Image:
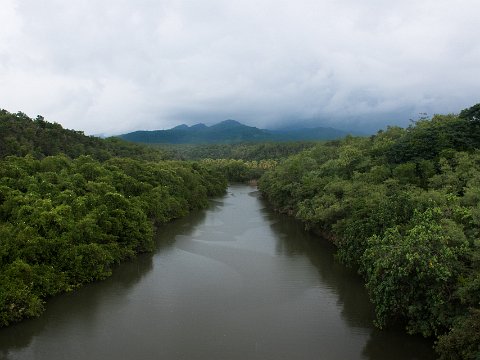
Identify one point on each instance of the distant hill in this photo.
(21, 135)
(228, 132)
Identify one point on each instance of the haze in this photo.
(115, 66)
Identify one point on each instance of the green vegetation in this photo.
(240, 170)
(229, 132)
(244, 151)
(20, 136)
(67, 222)
(403, 206)
(238, 162)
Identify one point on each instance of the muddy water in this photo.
(235, 281)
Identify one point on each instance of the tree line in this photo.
(403, 207)
(243, 151)
(21, 136)
(67, 222)
(74, 206)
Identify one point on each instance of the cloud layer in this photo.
(115, 66)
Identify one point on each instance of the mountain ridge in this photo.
(228, 132)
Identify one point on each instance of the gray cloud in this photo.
(116, 66)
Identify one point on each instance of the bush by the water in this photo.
(403, 206)
(67, 222)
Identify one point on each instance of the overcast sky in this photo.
(112, 66)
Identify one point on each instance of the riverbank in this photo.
(233, 281)
(404, 215)
(65, 223)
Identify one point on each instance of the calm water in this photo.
(233, 282)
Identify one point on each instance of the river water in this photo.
(235, 281)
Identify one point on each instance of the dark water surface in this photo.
(233, 282)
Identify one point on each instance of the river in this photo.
(235, 281)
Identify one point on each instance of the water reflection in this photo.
(345, 283)
(357, 310)
(396, 345)
(235, 281)
(82, 306)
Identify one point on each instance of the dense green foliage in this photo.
(238, 162)
(67, 222)
(64, 222)
(229, 132)
(240, 170)
(20, 136)
(463, 342)
(403, 206)
(244, 151)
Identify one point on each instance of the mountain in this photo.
(229, 131)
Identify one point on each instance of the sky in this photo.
(114, 66)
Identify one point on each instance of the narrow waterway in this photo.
(235, 281)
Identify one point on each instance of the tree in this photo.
(409, 275)
(472, 113)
